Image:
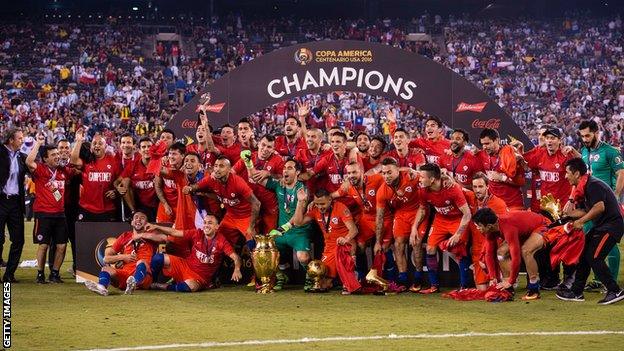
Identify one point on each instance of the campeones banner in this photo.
(337, 65)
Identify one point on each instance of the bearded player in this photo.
(242, 206)
(128, 260)
(449, 230)
(289, 237)
(363, 190)
(461, 164)
(399, 196)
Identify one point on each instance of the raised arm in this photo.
(32, 155)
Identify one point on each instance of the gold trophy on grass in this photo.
(317, 271)
(265, 259)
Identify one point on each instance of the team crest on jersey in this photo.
(371, 192)
(465, 168)
(233, 195)
(108, 166)
(447, 202)
(335, 220)
(557, 165)
(408, 189)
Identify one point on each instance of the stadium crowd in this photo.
(403, 181)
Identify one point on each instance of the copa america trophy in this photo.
(317, 271)
(552, 208)
(265, 259)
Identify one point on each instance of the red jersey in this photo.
(446, 201)
(143, 249)
(98, 177)
(308, 161)
(50, 187)
(233, 194)
(434, 149)
(170, 188)
(333, 169)
(273, 165)
(463, 168)
(231, 152)
(127, 162)
(551, 174)
(143, 183)
(366, 196)
(401, 199)
(284, 148)
(332, 223)
(206, 158)
(206, 254)
(412, 160)
(368, 162)
(514, 227)
(505, 162)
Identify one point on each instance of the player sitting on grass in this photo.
(128, 260)
(195, 272)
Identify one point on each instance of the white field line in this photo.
(214, 344)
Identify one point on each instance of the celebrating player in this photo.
(449, 230)
(197, 270)
(128, 260)
(505, 175)
(49, 177)
(335, 221)
(461, 164)
(399, 196)
(242, 206)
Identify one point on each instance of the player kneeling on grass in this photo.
(522, 232)
(336, 223)
(195, 272)
(128, 260)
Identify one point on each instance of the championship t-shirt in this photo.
(98, 177)
(50, 188)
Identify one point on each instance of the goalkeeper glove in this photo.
(281, 230)
(245, 155)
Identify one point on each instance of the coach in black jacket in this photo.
(12, 172)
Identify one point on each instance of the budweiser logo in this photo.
(492, 123)
(470, 107)
(187, 123)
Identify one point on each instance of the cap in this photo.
(552, 131)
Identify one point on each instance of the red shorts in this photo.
(163, 217)
(122, 274)
(180, 271)
(366, 230)
(329, 259)
(232, 228)
(402, 226)
(442, 229)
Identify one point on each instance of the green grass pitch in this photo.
(69, 317)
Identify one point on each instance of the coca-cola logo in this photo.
(463, 106)
(492, 123)
(188, 123)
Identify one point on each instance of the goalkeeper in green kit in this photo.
(287, 236)
(605, 163)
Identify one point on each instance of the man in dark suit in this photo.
(12, 172)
